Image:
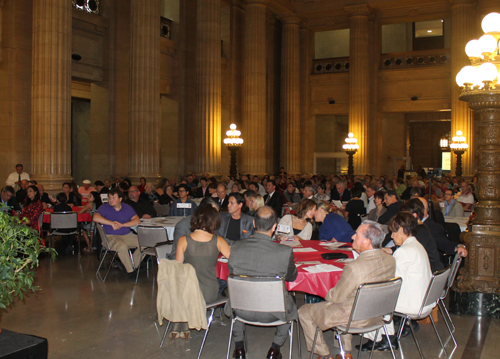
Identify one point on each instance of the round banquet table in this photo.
(84, 217)
(311, 283)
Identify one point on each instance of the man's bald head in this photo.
(426, 206)
(265, 220)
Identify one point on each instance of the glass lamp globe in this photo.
(491, 22)
(487, 72)
(467, 75)
(472, 49)
(487, 43)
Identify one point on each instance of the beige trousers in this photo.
(121, 244)
(306, 317)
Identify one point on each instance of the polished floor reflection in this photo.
(82, 317)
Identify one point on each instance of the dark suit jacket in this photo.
(346, 196)
(224, 203)
(276, 202)
(260, 256)
(392, 210)
(425, 238)
(246, 224)
(198, 193)
(437, 231)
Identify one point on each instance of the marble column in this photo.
(359, 80)
(207, 133)
(51, 93)
(462, 30)
(144, 96)
(254, 89)
(290, 94)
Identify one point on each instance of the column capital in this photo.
(290, 19)
(359, 10)
(462, 2)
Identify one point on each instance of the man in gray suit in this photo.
(234, 224)
(183, 227)
(260, 256)
(372, 265)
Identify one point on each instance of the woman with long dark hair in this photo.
(33, 207)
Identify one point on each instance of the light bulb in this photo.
(232, 126)
(487, 43)
(491, 22)
(469, 74)
(487, 72)
(472, 49)
(459, 133)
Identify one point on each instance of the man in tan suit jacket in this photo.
(372, 265)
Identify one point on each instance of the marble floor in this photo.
(82, 317)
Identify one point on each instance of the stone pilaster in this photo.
(144, 115)
(462, 31)
(359, 80)
(254, 88)
(51, 93)
(207, 133)
(290, 94)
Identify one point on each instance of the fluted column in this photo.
(254, 93)
(290, 94)
(359, 82)
(462, 30)
(144, 114)
(51, 93)
(207, 139)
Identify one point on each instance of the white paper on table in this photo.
(323, 268)
(291, 243)
(304, 250)
(337, 204)
(332, 244)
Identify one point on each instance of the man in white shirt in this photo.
(466, 198)
(370, 191)
(15, 178)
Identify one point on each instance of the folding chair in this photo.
(455, 266)
(107, 248)
(63, 221)
(259, 294)
(434, 292)
(372, 301)
(149, 237)
(218, 303)
(162, 249)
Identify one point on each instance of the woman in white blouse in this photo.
(299, 224)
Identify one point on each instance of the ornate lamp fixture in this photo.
(233, 142)
(478, 284)
(459, 146)
(444, 144)
(350, 147)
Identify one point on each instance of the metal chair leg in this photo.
(314, 342)
(291, 340)
(448, 327)
(137, 274)
(373, 346)
(415, 339)
(437, 334)
(298, 340)
(400, 332)
(342, 352)
(360, 343)
(100, 264)
(230, 338)
(165, 334)
(389, 340)
(110, 265)
(209, 322)
(444, 311)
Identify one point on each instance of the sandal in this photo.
(173, 335)
(185, 335)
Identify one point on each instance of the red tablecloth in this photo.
(312, 283)
(84, 217)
